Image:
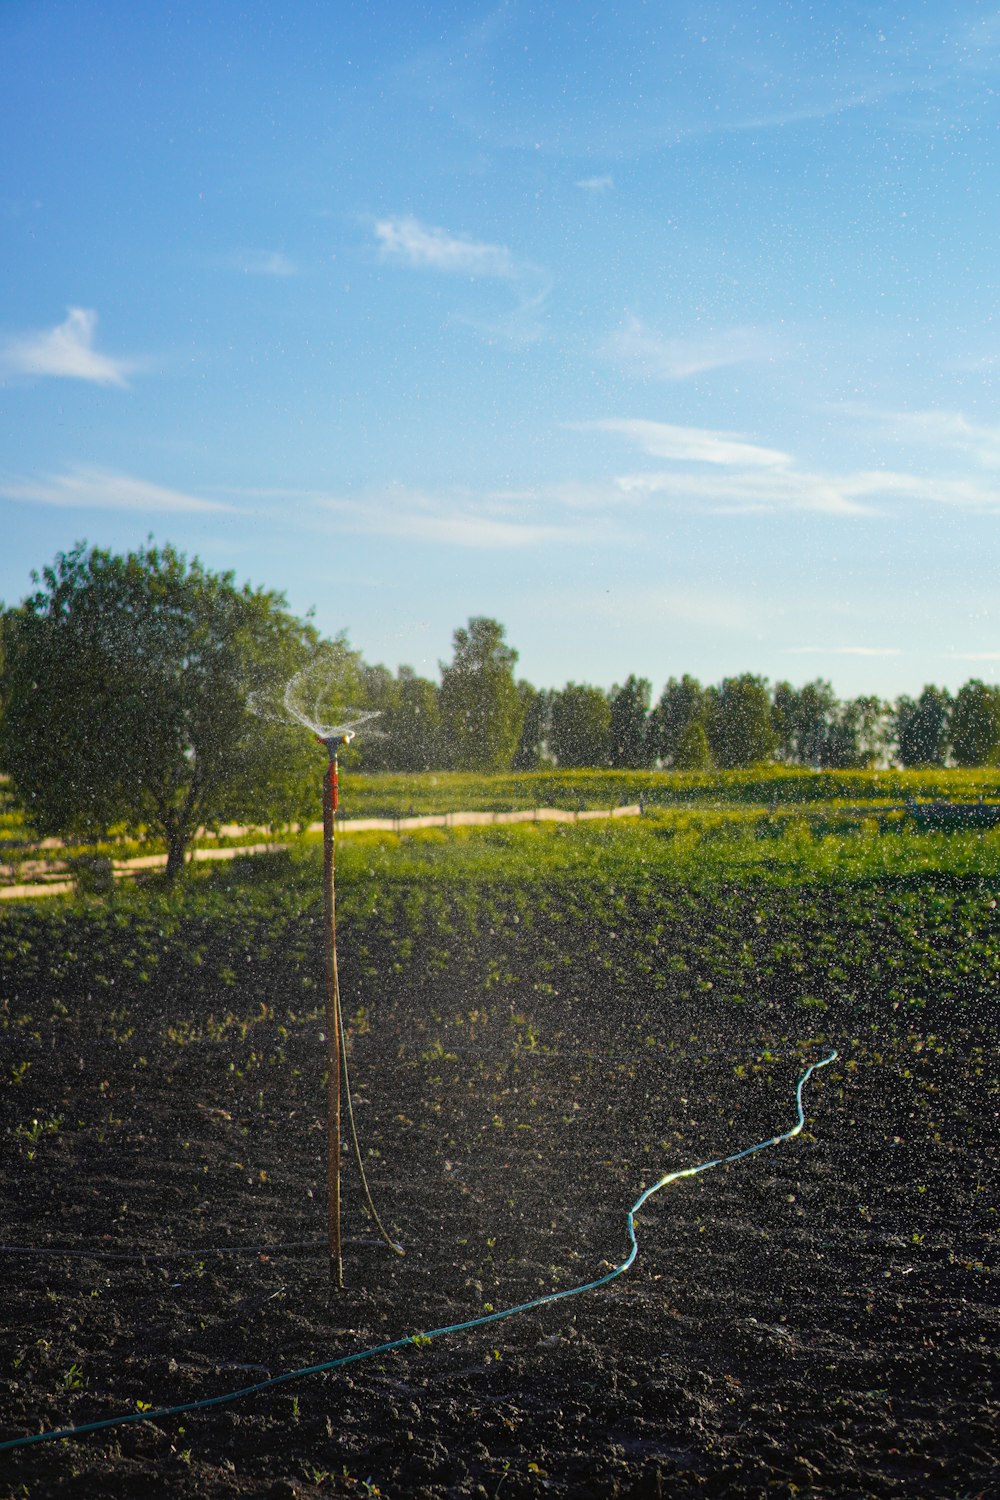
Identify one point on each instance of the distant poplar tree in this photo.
(975, 724)
(630, 748)
(739, 725)
(681, 705)
(533, 750)
(802, 719)
(581, 726)
(921, 728)
(481, 709)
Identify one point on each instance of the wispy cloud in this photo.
(698, 444)
(408, 242)
(67, 351)
(596, 184)
(264, 263)
(641, 351)
(461, 518)
(950, 431)
(82, 486)
(743, 476)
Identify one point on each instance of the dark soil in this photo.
(815, 1321)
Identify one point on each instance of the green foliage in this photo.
(125, 698)
(922, 727)
(975, 724)
(389, 795)
(581, 726)
(682, 705)
(677, 905)
(533, 751)
(481, 709)
(692, 751)
(629, 711)
(740, 730)
(802, 719)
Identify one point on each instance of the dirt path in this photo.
(123, 868)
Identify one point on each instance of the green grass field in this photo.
(774, 822)
(391, 795)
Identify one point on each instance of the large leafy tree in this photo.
(975, 724)
(126, 699)
(481, 709)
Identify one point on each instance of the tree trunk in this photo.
(176, 845)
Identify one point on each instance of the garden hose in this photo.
(420, 1339)
(393, 1245)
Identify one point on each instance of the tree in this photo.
(740, 731)
(630, 749)
(693, 752)
(581, 726)
(857, 737)
(481, 709)
(802, 720)
(682, 704)
(921, 728)
(125, 699)
(533, 750)
(413, 740)
(975, 724)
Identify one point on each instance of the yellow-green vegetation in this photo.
(690, 845)
(774, 822)
(386, 794)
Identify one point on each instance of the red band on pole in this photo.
(334, 785)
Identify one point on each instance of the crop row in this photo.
(251, 938)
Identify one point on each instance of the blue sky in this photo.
(664, 333)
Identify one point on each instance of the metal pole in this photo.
(332, 1025)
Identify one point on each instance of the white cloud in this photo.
(649, 355)
(489, 519)
(103, 489)
(744, 476)
(66, 350)
(750, 490)
(697, 444)
(264, 263)
(596, 184)
(407, 241)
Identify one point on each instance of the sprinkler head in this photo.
(333, 742)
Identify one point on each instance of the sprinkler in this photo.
(331, 788)
(305, 700)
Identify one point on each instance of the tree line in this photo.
(480, 717)
(143, 693)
